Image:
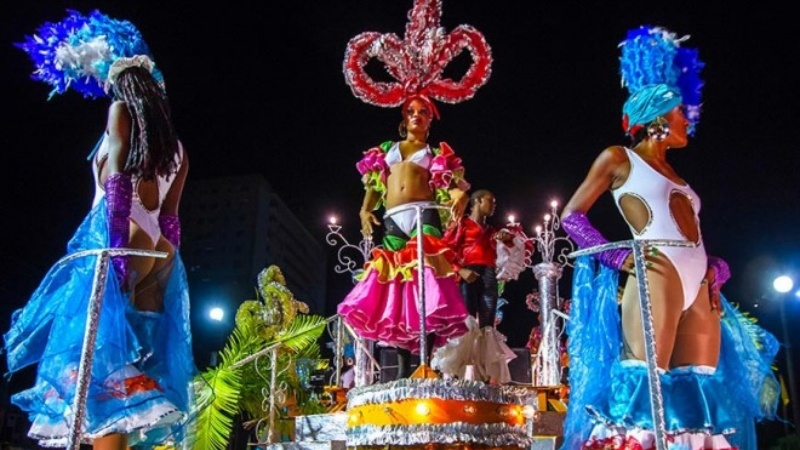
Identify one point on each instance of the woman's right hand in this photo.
(467, 275)
(367, 221)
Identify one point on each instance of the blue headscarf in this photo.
(659, 76)
(648, 103)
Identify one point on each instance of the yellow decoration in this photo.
(435, 411)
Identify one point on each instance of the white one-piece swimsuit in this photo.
(654, 190)
(145, 218)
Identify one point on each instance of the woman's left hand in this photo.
(713, 290)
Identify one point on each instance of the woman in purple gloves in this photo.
(714, 372)
(142, 367)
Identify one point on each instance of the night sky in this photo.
(260, 89)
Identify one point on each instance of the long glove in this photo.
(721, 270)
(578, 227)
(170, 226)
(119, 194)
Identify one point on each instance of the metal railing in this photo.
(90, 333)
(654, 381)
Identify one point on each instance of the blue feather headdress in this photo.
(659, 75)
(84, 52)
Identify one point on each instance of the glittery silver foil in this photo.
(491, 434)
(547, 372)
(424, 388)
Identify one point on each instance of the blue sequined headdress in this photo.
(659, 75)
(84, 53)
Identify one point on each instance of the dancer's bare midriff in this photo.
(407, 182)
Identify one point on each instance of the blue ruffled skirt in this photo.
(609, 398)
(142, 366)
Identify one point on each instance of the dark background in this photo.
(260, 89)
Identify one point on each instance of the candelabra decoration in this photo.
(346, 262)
(546, 348)
(347, 256)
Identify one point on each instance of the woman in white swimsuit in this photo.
(142, 366)
(657, 204)
(683, 282)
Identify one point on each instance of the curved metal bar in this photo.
(365, 349)
(90, 333)
(111, 252)
(629, 243)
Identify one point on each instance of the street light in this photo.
(216, 314)
(783, 284)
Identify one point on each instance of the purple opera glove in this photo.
(722, 272)
(170, 226)
(119, 193)
(578, 227)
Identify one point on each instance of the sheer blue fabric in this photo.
(603, 389)
(594, 344)
(49, 329)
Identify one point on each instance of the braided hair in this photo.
(154, 142)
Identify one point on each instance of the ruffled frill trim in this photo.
(422, 388)
(374, 170)
(391, 265)
(446, 170)
(513, 257)
(697, 408)
(615, 438)
(385, 310)
(146, 411)
(483, 349)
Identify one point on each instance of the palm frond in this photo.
(219, 394)
(302, 332)
(234, 388)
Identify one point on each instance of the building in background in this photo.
(233, 228)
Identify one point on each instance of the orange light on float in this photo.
(528, 411)
(354, 418)
(422, 409)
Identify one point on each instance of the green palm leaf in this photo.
(304, 330)
(219, 396)
(233, 388)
